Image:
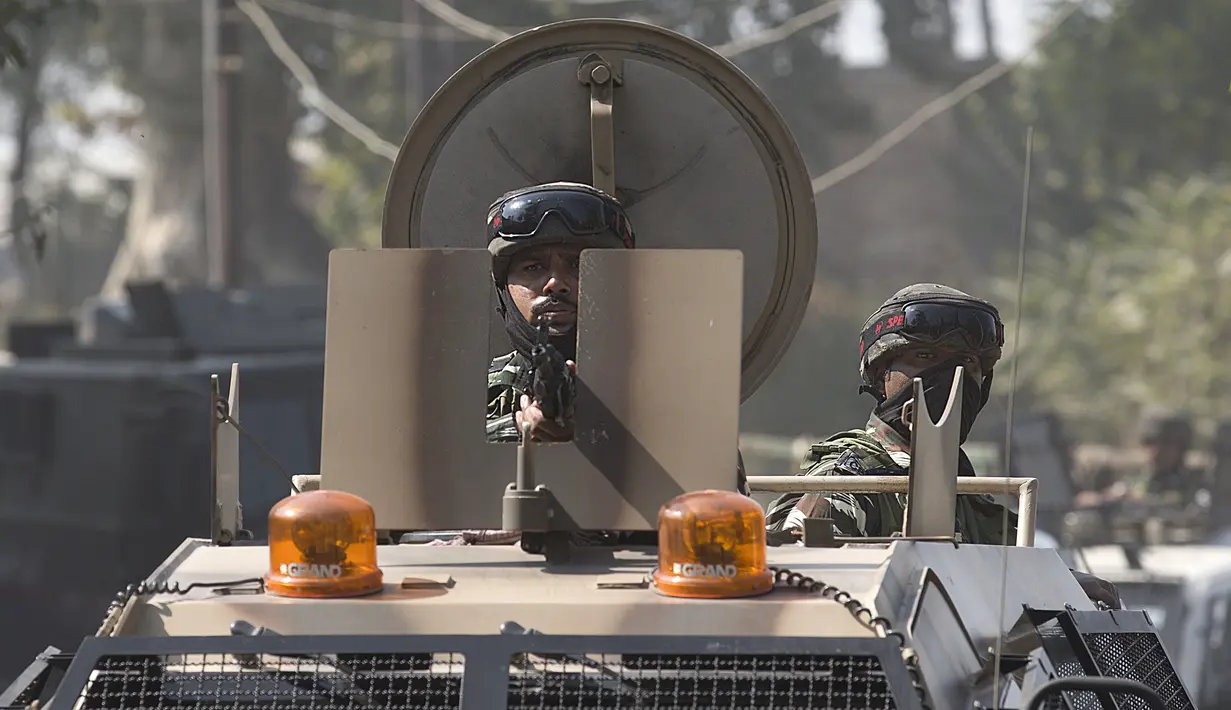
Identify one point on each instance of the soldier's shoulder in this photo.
(505, 370)
(851, 452)
(501, 362)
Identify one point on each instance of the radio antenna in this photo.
(1008, 433)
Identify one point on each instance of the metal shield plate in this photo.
(702, 160)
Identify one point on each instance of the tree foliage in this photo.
(18, 18)
(1126, 302)
(1123, 91)
(1136, 314)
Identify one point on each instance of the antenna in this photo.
(1008, 433)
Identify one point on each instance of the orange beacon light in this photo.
(711, 545)
(322, 545)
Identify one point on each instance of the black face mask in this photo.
(937, 383)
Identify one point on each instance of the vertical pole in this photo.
(222, 66)
(989, 38)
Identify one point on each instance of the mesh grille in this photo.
(387, 681)
(1077, 699)
(698, 682)
(1139, 657)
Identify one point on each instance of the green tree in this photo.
(1136, 313)
(1124, 302)
(154, 51)
(21, 18)
(1124, 91)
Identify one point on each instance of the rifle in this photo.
(552, 384)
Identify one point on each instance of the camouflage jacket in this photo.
(508, 379)
(878, 450)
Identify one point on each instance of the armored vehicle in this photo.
(671, 336)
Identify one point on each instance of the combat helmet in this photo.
(1160, 423)
(584, 215)
(930, 313)
(579, 214)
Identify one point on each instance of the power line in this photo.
(796, 23)
(342, 20)
(476, 28)
(931, 110)
(314, 97)
(482, 30)
(312, 94)
(464, 23)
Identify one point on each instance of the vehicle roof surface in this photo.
(474, 589)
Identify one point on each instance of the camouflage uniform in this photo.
(508, 379)
(878, 450)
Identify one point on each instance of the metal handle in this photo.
(1026, 490)
(1098, 685)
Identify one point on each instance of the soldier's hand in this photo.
(542, 429)
(1099, 590)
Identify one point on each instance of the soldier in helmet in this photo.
(924, 331)
(1166, 437)
(535, 236)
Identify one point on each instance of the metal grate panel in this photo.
(1077, 699)
(699, 682)
(240, 681)
(500, 670)
(1140, 657)
(1113, 644)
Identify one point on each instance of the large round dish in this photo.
(703, 160)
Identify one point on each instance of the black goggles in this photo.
(583, 213)
(931, 322)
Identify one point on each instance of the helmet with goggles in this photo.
(930, 314)
(583, 215)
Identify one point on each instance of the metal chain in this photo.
(141, 589)
(878, 624)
